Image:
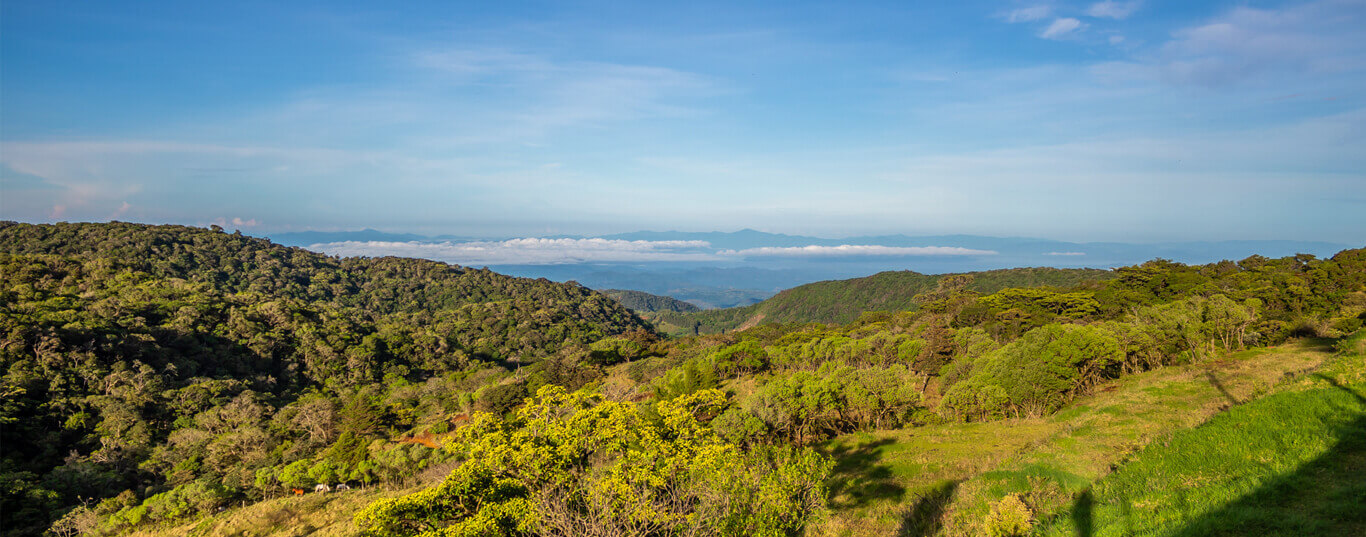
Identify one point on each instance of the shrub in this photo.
(1009, 517)
(501, 398)
(740, 426)
(1037, 373)
(572, 464)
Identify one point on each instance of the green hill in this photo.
(956, 419)
(167, 368)
(642, 302)
(842, 301)
(163, 380)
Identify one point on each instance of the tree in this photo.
(570, 463)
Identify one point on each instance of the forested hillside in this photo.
(642, 302)
(842, 301)
(155, 375)
(165, 370)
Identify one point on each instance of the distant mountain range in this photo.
(309, 238)
(726, 269)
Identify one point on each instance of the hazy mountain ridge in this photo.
(730, 277)
(1101, 252)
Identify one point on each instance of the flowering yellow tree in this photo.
(574, 464)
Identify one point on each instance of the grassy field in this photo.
(943, 479)
(1292, 463)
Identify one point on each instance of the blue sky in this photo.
(1080, 121)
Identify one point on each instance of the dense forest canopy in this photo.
(842, 301)
(190, 366)
(152, 374)
(642, 302)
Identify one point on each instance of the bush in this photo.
(573, 464)
(1038, 373)
(1009, 517)
(501, 398)
(198, 497)
(740, 426)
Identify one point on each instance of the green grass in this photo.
(1291, 463)
(942, 479)
(314, 515)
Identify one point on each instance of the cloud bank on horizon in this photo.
(1081, 121)
(565, 251)
(853, 250)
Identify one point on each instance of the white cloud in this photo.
(1066, 253)
(527, 251)
(1164, 186)
(1248, 45)
(543, 95)
(1027, 14)
(1113, 10)
(1062, 28)
(854, 250)
(235, 221)
(1116, 39)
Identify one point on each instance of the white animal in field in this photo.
(341, 487)
(322, 487)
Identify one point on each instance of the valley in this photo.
(168, 380)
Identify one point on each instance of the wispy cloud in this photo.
(14, 180)
(1111, 9)
(1066, 253)
(1180, 182)
(235, 221)
(1027, 14)
(1062, 28)
(528, 251)
(541, 94)
(1249, 44)
(844, 250)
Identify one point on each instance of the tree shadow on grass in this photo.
(926, 516)
(1326, 496)
(1219, 385)
(858, 477)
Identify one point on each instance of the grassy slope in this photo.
(842, 301)
(942, 478)
(316, 515)
(1293, 463)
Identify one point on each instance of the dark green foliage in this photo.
(501, 398)
(192, 367)
(842, 301)
(642, 302)
(1018, 351)
(1038, 373)
(165, 371)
